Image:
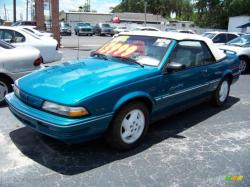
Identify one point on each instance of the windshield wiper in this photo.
(128, 60)
(96, 54)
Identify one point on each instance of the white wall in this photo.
(237, 21)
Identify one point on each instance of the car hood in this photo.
(236, 49)
(72, 82)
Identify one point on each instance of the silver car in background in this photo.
(241, 46)
(16, 62)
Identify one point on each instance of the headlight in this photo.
(64, 110)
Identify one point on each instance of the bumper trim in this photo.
(15, 110)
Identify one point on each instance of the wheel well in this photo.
(230, 77)
(6, 77)
(144, 100)
(246, 57)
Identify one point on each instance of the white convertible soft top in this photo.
(218, 54)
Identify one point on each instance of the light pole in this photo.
(14, 10)
(27, 10)
(145, 13)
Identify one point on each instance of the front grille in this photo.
(85, 30)
(29, 99)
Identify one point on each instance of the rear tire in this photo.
(5, 88)
(221, 94)
(129, 126)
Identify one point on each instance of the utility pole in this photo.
(14, 10)
(145, 13)
(5, 13)
(27, 10)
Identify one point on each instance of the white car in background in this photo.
(219, 38)
(16, 62)
(119, 29)
(141, 29)
(146, 29)
(241, 46)
(48, 47)
(181, 31)
(33, 30)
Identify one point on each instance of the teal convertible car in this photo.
(134, 79)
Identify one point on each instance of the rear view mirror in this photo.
(174, 66)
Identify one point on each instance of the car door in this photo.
(180, 87)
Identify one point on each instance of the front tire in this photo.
(5, 88)
(129, 126)
(243, 65)
(221, 93)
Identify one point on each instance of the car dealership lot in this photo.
(200, 146)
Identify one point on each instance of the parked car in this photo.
(146, 29)
(24, 23)
(119, 29)
(65, 29)
(34, 30)
(15, 63)
(19, 37)
(181, 31)
(170, 29)
(241, 46)
(134, 79)
(103, 29)
(84, 29)
(220, 37)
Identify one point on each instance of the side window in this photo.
(8, 36)
(19, 38)
(191, 54)
(231, 37)
(220, 38)
(1, 34)
(206, 57)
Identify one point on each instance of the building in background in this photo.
(126, 17)
(239, 24)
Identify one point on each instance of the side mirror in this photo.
(174, 66)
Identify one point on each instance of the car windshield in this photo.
(106, 25)
(145, 50)
(84, 24)
(16, 23)
(242, 41)
(209, 35)
(31, 34)
(6, 45)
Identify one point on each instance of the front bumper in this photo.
(64, 129)
(65, 32)
(107, 32)
(85, 32)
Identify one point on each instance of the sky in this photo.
(102, 6)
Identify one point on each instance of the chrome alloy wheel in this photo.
(132, 126)
(3, 90)
(223, 93)
(243, 65)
